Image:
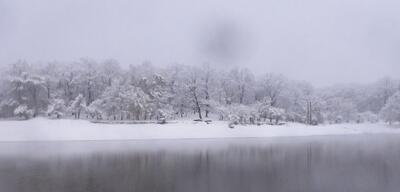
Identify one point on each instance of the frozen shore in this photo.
(41, 129)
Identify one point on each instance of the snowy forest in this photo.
(103, 90)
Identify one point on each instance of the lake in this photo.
(364, 163)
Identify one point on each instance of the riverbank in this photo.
(42, 129)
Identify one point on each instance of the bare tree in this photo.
(207, 87)
(272, 86)
(193, 87)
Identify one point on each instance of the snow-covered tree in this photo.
(50, 74)
(193, 87)
(391, 111)
(386, 88)
(243, 80)
(338, 110)
(138, 104)
(110, 103)
(301, 103)
(104, 90)
(207, 80)
(271, 86)
(368, 117)
(121, 102)
(227, 93)
(23, 111)
(68, 83)
(56, 108)
(267, 111)
(26, 89)
(110, 72)
(180, 101)
(159, 96)
(77, 106)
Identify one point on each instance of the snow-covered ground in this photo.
(41, 129)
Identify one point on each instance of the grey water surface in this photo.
(302, 164)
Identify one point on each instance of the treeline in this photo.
(105, 91)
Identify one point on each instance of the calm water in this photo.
(336, 163)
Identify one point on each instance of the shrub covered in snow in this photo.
(56, 108)
(268, 112)
(23, 111)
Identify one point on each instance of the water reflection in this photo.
(339, 163)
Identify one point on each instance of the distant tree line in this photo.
(104, 91)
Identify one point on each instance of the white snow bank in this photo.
(41, 129)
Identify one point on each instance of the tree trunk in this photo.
(198, 106)
(48, 92)
(34, 96)
(241, 97)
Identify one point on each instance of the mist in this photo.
(323, 42)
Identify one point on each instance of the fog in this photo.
(324, 42)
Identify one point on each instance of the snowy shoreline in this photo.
(41, 129)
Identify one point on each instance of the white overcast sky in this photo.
(321, 41)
